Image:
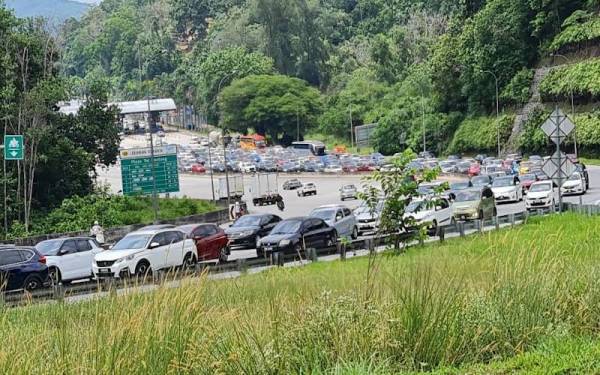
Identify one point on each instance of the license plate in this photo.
(269, 248)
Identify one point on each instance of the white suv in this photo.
(307, 189)
(139, 253)
(69, 259)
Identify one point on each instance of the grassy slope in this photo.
(517, 300)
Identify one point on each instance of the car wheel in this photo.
(434, 227)
(354, 233)
(453, 222)
(332, 240)
(189, 262)
(54, 275)
(32, 283)
(143, 269)
(223, 255)
(495, 212)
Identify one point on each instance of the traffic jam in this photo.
(477, 186)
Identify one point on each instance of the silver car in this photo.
(367, 219)
(339, 217)
(348, 192)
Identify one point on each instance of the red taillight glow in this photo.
(42, 259)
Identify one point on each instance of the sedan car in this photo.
(211, 242)
(540, 196)
(368, 219)
(474, 204)
(292, 184)
(246, 232)
(339, 217)
(69, 259)
(507, 189)
(574, 185)
(431, 212)
(143, 252)
(481, 181)
(293, 236)
(22, 268)
(348, 192)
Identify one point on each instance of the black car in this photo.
(295, 235)
(292, 184)
(246, 231)
(22, 268)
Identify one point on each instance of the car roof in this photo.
(155, 231)
(327, 206)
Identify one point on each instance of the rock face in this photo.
(522, 117)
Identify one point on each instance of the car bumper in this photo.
(269, 249)
(244, 243)
(506, 197)
(116, 271)
(532, 204)
(367, 227)
(572, 191)
(348, 196)
(466, 215)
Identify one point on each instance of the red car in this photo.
(474, 170)
(527, 180)
(198, 168)
(364, 167)
(211, 241)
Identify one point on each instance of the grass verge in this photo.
(524, 299)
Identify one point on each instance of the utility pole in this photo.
(351, 127)
(225, 142)
(212, 182)
(423, 123)
(149, 132)
(497, 109)
(572, 104)
(297, 125)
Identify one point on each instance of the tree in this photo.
(221, 68)
(277, 106)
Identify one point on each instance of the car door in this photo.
(214, 241)
(12, 274)
(69, 259)
(349, 220)
(202, 247)
(443, 212)
(84, 259)
(175, 248)
(157, 256)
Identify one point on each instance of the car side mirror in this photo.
(62, 252)
(110, 247)
(154, 245)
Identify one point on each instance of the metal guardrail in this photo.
(60, 292)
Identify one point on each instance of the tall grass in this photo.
(443, 307)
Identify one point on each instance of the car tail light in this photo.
(42, 259)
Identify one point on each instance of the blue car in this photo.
(22, 268)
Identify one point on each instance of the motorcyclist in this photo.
(279, 202)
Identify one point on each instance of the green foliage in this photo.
(479, 134)
(517, 91)
(581, 79)
(588, 133)
(579, 28)
(532, 139)
(218, 69)
(79, 213)
(277, 106)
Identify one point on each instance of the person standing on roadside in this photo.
(97, 232)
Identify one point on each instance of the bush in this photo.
(580, 27)
(518, 89)
(532, 139)
(583, 79)
(78, 213)
(479, 134)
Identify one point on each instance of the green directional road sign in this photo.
(136, 170)
(13, 147)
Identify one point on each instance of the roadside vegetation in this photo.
(523, 299)
(79, 213)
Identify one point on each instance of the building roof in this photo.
(126, 108)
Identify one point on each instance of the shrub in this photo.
(479, 134)
(532, 139)
(518, 89)
(580, 27)
(583, 79)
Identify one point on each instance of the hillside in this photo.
(56, 11)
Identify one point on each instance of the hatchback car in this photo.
(69, 259)
(540, 196)
(22, 268)
(308, 188)
(339, 217)
(474, 204)
(507, 189)
(575, 184)
(246, 231)
(211, 241)
(295, 235)
(348, 192)
(292, 184)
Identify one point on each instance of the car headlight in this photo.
(284, 243)
(245, 233)
(127, 258)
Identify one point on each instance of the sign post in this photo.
(558, 167)
(143, 174)
(13, 147)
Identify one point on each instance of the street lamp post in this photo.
(497, 109)
(351, 128)
(149, 132)
(226, 140)
(572, 103)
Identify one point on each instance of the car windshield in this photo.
(575, 177)
(415, 206)
(480, 181)
(503, 182)
(48, 247)
(365, 209)
(536, 188)
(247, 221)
(459, 186)
(287, 227)
(132, 241)
(349, 187)
(324, 214)
(467, 196)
